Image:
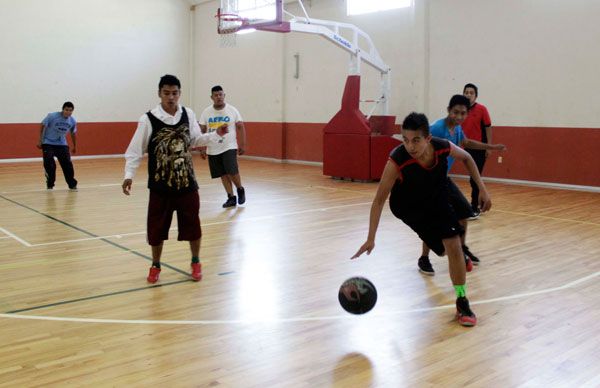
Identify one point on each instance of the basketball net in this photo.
(227, 40)
(229, 23)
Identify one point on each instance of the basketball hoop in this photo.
(228, 25)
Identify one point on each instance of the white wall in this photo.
(258, 74)
(536, 61)
(251, 73)
(104, 55)
(316, 95)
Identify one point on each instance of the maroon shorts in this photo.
(160, 213)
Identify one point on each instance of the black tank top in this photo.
(418, 185)
(170, 167)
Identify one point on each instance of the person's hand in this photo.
(241, 151)
(126, 186)
(222, 130)
(485, 202)
(39, 145)
(74, 150)
(368, 246)
(499, 147)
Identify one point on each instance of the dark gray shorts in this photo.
(462, 207)
(223, 164)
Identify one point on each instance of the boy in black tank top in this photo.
(415, 179)
(167, 133)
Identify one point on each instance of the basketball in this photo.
(357, 295)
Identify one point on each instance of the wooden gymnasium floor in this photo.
(76, 308)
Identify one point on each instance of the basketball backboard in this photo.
(236, 15)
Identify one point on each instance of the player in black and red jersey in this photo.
(415, 179)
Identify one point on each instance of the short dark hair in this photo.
(416, 122)
(472, 86)
(216, 88)
(169, 79)
(459, 99)
(68, 104)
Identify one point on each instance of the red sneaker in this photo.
(196, 272)
(468, 264)
(464, 315)
(153, 275)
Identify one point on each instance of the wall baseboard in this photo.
(25, 160)
(289, 161)
(548, 185)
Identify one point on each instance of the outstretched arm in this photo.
(485, 203)
(477, 145)
(389, 177)
(200, 135)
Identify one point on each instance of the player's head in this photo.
(217, 95)
(415, 134)
(67, 109)
(471, 92)
(169, 90)
(457, 109)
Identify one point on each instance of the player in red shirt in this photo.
(477, 126)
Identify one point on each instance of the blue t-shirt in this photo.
(439, 129)
(56, 127)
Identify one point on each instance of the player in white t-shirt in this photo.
(222, 156)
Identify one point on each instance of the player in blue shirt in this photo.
(53, 142)
(449, 128)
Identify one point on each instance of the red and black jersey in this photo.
(419, 186)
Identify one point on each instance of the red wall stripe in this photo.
(557, 155)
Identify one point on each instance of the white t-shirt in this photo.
(213, 119)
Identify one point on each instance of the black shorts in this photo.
(432, 223)
(459, 203)
(223, 164)
(160, 213)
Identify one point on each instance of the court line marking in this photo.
(78, 187)
(136, 253)
(547, 217)
(97, 296)
(252, 219)
(298, 319)
(14, 236)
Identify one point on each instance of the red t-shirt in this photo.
(475, 123)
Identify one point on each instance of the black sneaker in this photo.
(49, 187)
(465, 316)
(476, 213)
(73, 188)
(470, 255)
(241, 195)
(231, 201)
(425, 266)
